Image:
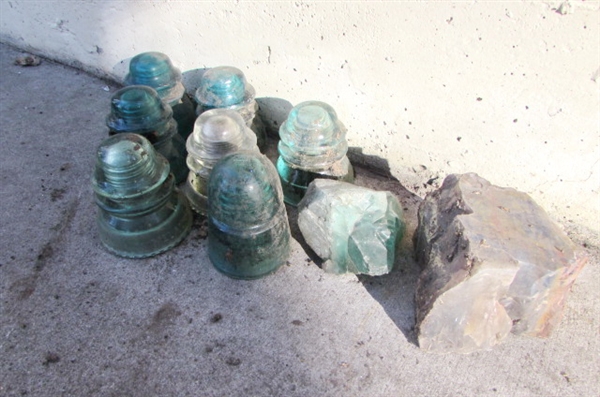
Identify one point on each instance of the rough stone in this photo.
(494, 263)
(352, 228)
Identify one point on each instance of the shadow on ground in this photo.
(395, 291)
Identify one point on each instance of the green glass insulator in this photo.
(138, 109)
(155, 69)
(226, 87)
(141, 213)
(217, 132)
(313, 145)
(249, 233)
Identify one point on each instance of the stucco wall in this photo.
(509, 90)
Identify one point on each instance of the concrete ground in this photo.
(78, 321)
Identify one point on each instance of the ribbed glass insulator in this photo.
(312, 137)
(312, 145)
(248, 228)
(226, 87)
(139, 109)
(217, 132)
(155, 69)
(140, 212)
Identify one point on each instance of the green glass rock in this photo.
(217, 133)
(226, 87)
(352, 228)
(141, 214)
(155, 69)
(313, 145)
(138, 109)
(249, 233)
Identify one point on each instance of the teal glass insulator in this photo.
(156, 70)
(217, 133)
(248, 229)
(138, 109)
(141, 213)
(226, 87)
(312, 145)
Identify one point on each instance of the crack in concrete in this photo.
(25, 286)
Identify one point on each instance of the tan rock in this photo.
(493, 263)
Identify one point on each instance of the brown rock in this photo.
(493, 262)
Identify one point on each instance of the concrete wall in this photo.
(505, 89)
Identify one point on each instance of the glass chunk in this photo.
(155, 69)
(226, 87)
(138, 109)
(313, 145)
(217, 132)
(352, 228)
(249, 233)
(141, 214)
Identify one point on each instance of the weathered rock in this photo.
(352, 228)
(493, 263)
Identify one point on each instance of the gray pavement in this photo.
(78, 321)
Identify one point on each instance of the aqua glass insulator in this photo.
(156, 70)
(139, 109)
(248, 229)
(312, 145)
(217, 133)
(141, 213)
(226, 87)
